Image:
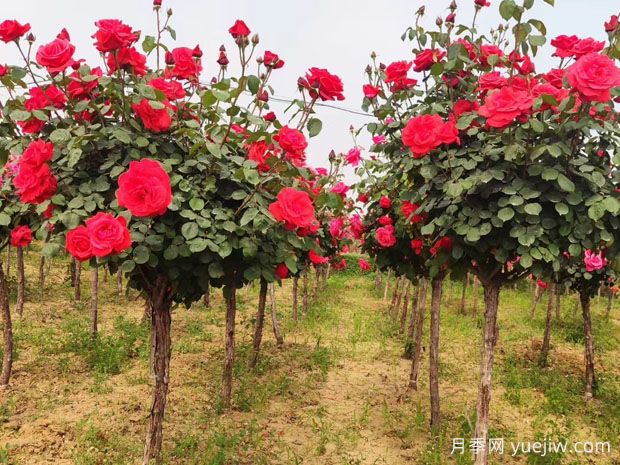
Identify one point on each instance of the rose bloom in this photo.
(555, 77)
(173, 90)
(291, 140)
(260, 152)
(385, 202)
(540, 283)
(128, 59)
(41, 98)
(56, 56)
(11, 30)
(594, 261)
(270, 117)
(21, 236)
(37, 153)
(396, 76)
(427, 58)
(35, 185)
(371, 92)
(272, 60)
(482, 3)
(408, 210)
(416, 246)
(239, 29)
(549, 89)
(108, 235)
(31, 126)
(385, 220)
(186, 66)
(501, 107)
(427, 132)
(464, 106)
(78, 245)
(336, 228)
(113, 34)
(593, 76)
(445, 243)
(385, 236)
(364, 265)
(340, 188)
(281, 271)
(378, 139)
(320, 83)
(612, 24)
(354, 156)
(491, 81)
(586, 46)
(144, 189)
(316, 258)
(156, 120)
(294, 208)
(79, 89)
(486, 51)
(564, 45)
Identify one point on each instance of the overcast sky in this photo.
(334, 34)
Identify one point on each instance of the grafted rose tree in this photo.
(151, 171)
(512, 164)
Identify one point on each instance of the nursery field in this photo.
(335, 393)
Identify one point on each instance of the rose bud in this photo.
(439, 22)
(255, 39)
(259, 60)
(332, 155)
(382, 66)
(31, 37)
(169, 12)
(420, 11)
(451, 18)
(214, 80)
(3, 70)
(197, 53)
(271, 117)
(223, 59)
(263, 97)
(156, 2)
(452, 5)
(368, 69)
(169, 59)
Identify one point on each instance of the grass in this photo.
(335, 394)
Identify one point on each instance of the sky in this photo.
(335, 34)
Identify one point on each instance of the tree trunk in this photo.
(419, 331)
(589, 344)
(538, 292)
(403, 314)
(304, 293)
(230, 295)
(544, 351)
(610, 302)
(558, 302)
(490, 336)
(475, 292)
(434, 353)
(463, 296)
(8, 260)
(295, 298)
(377, 279)
(7, 360)
(77, 280)
(274, 317)
(394, 304)
(260, 320)
(94, 298)
(159, 301)
(21, 282)
(119, 283)
(414, 310)
(315, 284)
(42, 275)
(206, 298)
(387, 285)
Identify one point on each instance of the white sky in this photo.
(334, 34)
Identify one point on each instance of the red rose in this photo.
(156, 120)
(186, 66)
(364, 265)
(612, 25)
(37, 153)
(113, 34)
(371, 91)
(260, 152)
(35, 184)
(396, 76)
(78, 244)
(292, 141)
(21, 236)
(56, 56)
(272, 60)
(128, 59)
(502, 106)
(322, 84)
(385, 236)
(239, 29)
(481, 3)
(11, 30)
(3, 70)
(41, 98)
(282, 271)
(340, 188)
(427, 132)
(464, 106)
(79, 89)
(555, 77)
(173, 90)
(408, 210)
(486, 51)
(593, 76)
(548, 89)
(108, 235)
(385, 220)
(416, 246)
(316, 258)
(586, 46)
(427, 58)
(144, 189)
(445, 243)
(564, 45)
(294, 207)
(31, 126)
(270, 117)
(385, 202)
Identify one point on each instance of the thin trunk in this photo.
(329, 267)
(119, 283)
(475, 291)
(304, 293)
(315, 284)
(414, 311)
(42, 275)
(377, 280)
(558, 302)
(538, 292)
(7, 359)
(419, 331)
(295, 298)
(105, 273)
(8, 260)
(610, 302)
(403, 314)
(94, 297)
(544, 351)
(395, 296)
(589, 344)
(77, 281)
(21, 282)
(274, 317)
(387, 285)
(206, 298)
(463, 295)
(450, 290)
(490, 336)
(159, 300)
(260, 320)
(229, 360)
(434, 353)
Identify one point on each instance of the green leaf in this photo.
(189, 230)
(149, 44)
(507, 8)
(253, 84)
(141, 254)
(196, 204)
(215, 270)
(550, 174)
(5, 219)
(248, 216)
(171, 252)
(565, 184)
(561, 208)
(506, 214)
(121, 135)
(533, 208)
(20, 115)
(128, 266)
(596, 211)
(314, 127)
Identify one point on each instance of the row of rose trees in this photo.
(490, 165)
(138, 165)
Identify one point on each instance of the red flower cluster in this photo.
(445, 244)
(294, 208)
(573, 46)
(396, 76)
(154, 119)
(503, 106)
(416, 246)
(371, 91)
(427, 132)
(261, 152)
(385, 202)
(103, 235)
(144, 189)
(21, 236)
(282, 271)
(320, 83)
(185, 64)
(364, 265)
(35, 182)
